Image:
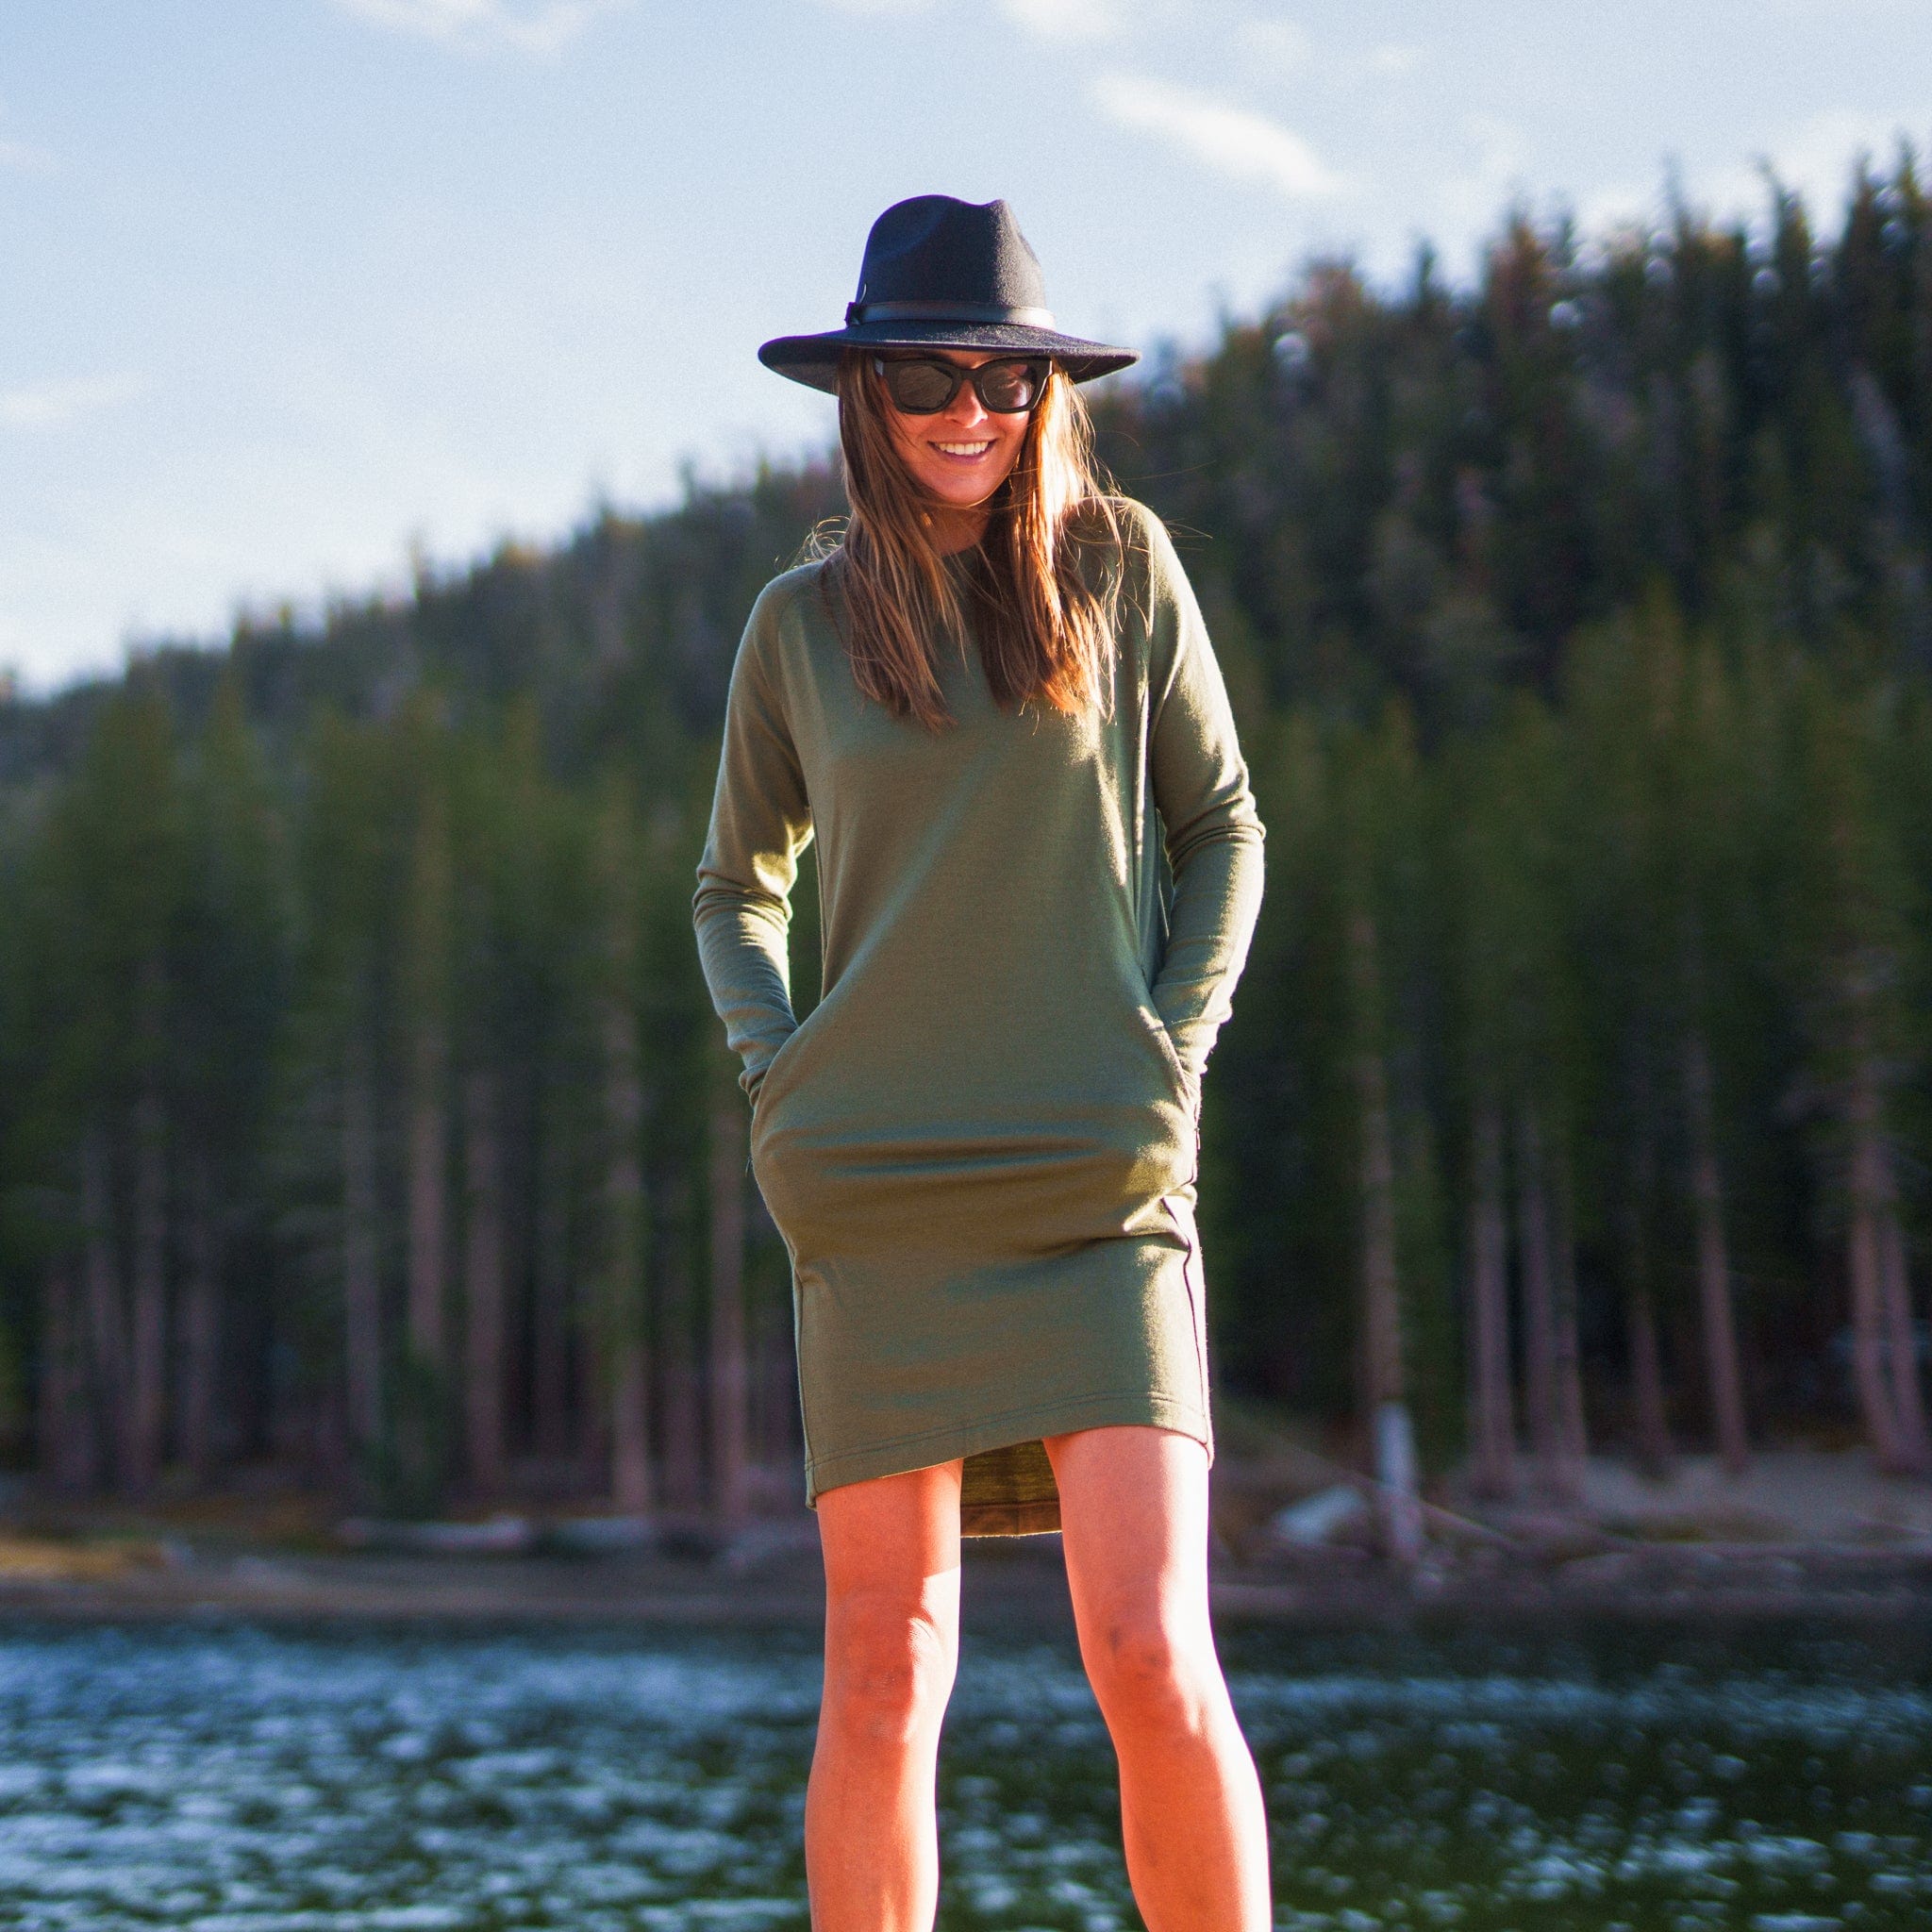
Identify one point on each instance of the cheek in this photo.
(906, 440)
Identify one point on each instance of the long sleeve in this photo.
(1213, 832)
(760, 823)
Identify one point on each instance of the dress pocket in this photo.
(1189, 1087)
(1186, 1088)
(1183, 1089)
(777, 1069)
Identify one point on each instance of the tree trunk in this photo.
(106, 1335)
(66, 1456)
(729, 1393)
(1538, 1300)
(428, 1182)
(1392, 1434)
(1873, 1203)
(630, 1428)
(1653, 1452)
(550, 1321)
(590, 1379)
(419, 1458)
(779, 1394)
(1722, 1367)
(146, 1413)
(624, 1378)
(1573, 1428)
(200, 1321)
(1902, 1351)
(681, 1394)
(1492, 1423)
(628, 1365)
(681, 1431)
(362, 1285)
(483, 1283)
(424, 982)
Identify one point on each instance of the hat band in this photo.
(856, 312)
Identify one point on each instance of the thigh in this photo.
(1134, 1525)
(891, 1545)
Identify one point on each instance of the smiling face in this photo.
(960, 458)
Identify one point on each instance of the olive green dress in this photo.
(981, 1145)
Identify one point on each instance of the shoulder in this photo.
(1120, 524)
(1129, 560)
(1130, 540)
(782, 617)
(1143, 526)
(785, 598)
(1154, 543)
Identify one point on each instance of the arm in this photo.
(760, 821)
(1213, 832)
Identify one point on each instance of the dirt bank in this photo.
(134, 1577)
(1801, 1534)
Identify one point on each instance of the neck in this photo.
(953, 531)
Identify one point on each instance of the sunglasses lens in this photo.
(1008, 387)
(922, 388)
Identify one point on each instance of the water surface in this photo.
(230, 1780)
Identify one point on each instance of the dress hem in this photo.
(1125, 1406)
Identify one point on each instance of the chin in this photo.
(956, 493)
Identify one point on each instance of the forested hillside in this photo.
(361, 1112)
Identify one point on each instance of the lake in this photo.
(237, 1780)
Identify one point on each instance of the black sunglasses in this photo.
(925, 385)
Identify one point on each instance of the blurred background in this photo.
(1543, 407)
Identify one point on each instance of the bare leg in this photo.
(891, 1550)
(1134, 1521)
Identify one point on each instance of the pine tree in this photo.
(232, 986)
(1856, 940)
(622, 1340)
(334, 1086)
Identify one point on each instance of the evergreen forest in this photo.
(364, 1122)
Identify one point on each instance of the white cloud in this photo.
(53, 405)
(1394, 57)
(1233, 141)
(1065, 20)
(1814, 158)
(1616, 207)
(1278, 43)
(541, 28)
(1286, 49)
(1835, 11)
(1046, 20)
(23, 158)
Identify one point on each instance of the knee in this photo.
(1151, 1675)
(889, 1668)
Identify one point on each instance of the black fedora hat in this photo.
(940, 273)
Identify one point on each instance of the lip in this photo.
(964, 451)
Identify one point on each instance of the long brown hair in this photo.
(1044, 626)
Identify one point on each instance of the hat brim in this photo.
(814, 359)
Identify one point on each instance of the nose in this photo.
(966, 412)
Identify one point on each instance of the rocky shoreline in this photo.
(1804, 1535)
(775, 1577)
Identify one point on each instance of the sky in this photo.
(296, 292)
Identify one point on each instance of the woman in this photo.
(996, 710)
